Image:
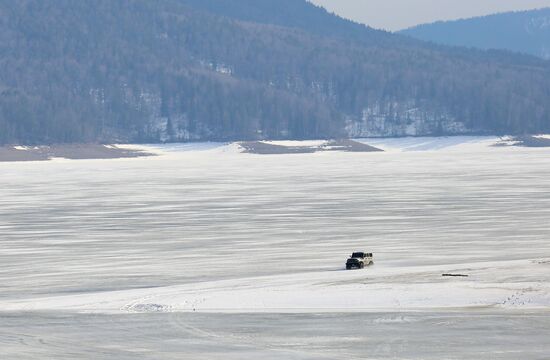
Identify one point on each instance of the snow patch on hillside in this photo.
(407, 118)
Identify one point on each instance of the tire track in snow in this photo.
(178, 321)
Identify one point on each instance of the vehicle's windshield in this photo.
(358, 255)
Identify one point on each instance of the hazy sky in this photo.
(400, 14)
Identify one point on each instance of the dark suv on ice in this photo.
(359, 260)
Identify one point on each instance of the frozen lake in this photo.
(176, 336)
(204, 251)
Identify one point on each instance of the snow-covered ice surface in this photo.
(305, 143)
(451, 143)
(204, 252)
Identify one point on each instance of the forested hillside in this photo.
(174, 70)
(524, 31)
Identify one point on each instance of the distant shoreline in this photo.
(68, 151)
(14, 153)
(267, 148)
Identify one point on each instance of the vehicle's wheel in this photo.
(362, 266)
(348, 267)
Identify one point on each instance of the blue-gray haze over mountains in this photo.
(181, 70)
(395, 15)
(526, 31)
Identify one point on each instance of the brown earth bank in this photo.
(266, 148)
(531, 141)
(69, 151)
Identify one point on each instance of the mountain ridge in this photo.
(138, 71)
(520, 31)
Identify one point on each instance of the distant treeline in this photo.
(172, 70)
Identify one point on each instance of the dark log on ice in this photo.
(455, 275)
